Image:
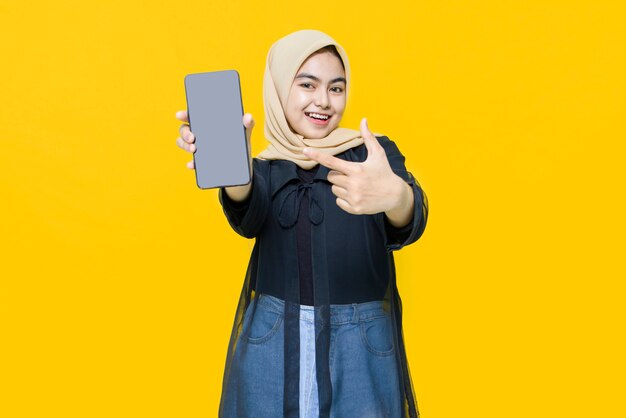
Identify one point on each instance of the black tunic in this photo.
(310, 251)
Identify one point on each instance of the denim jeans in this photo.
(363, 368)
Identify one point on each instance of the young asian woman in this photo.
(318, 328)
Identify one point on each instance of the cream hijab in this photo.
(283, 61)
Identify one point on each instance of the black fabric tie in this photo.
(289, 206)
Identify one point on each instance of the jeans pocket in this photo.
(262, 327)
(377, 336)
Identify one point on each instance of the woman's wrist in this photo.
(402, 212)
(240, 193)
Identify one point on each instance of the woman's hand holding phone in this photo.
(186, 142)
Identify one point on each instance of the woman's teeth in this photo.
(318, 116)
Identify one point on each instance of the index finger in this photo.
(182, 115)
(329, 161)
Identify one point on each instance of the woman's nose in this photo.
(321, 99)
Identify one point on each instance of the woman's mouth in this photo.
(317, 118)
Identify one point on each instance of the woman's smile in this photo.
(316, 118)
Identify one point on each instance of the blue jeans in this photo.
(362, 357)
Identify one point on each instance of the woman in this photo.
(318, 329)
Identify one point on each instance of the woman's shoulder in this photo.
(278, 164)
(383, 140)
(262, 165)
(359, 153)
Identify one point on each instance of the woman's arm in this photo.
(368, 187)
(381, 183)
(248, 215)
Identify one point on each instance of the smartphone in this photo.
(215, 113)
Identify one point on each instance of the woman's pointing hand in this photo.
(370, 186)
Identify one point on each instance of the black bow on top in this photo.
(290, 201)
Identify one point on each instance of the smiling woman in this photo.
(318, 328)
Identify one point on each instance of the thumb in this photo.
(371, 143)
(248, 123)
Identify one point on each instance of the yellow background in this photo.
(119, 278)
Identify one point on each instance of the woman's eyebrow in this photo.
(312, 77)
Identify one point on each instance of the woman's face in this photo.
(317, 98)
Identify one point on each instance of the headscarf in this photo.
(283, 61)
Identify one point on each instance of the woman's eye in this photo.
(306, 85)
(336, 89)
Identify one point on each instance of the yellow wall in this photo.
(119, 278)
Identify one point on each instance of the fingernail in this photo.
(306, 151)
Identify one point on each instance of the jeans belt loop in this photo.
(355, 313)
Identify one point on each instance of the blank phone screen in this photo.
(215, 118)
